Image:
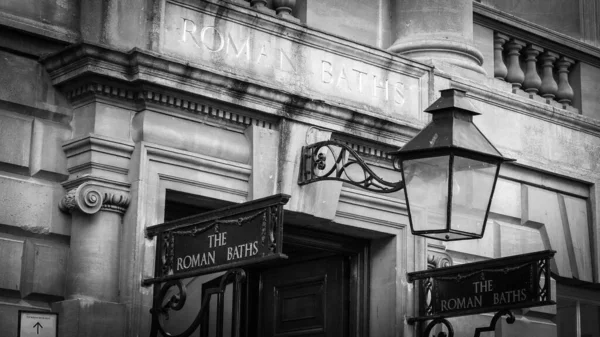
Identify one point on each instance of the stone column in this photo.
(91, 307)
(437, 30)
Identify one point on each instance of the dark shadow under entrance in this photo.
(319, 291)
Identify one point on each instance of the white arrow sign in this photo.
(37, 324)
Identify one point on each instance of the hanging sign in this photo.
(230, 237)
(507, 283)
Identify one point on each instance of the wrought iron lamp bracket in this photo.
(333, 160)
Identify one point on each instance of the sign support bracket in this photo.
(492, 327)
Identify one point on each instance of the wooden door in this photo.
(305, 299)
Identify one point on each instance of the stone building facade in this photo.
(119, 115)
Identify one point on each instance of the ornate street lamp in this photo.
(449, 171)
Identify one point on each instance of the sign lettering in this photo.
(512, 282)
(231, 237)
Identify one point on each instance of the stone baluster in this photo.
(549, 87)
(532, 81)
(500, 70)
(284, 9)
(258, 3)
(564, 94)
(515, 75)
(261, 6)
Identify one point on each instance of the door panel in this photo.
(308, 299)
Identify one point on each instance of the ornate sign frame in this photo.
(198, 245)
(526, 279)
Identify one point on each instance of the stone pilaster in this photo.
(432, 31)
(92, 304)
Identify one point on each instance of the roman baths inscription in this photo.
(216, 243)
(288, 63)
(519, 281)
(231, 237)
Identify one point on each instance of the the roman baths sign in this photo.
(507, 283)
(294, 60)
(234, 236)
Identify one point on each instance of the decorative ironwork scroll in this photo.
(230, 237)
(437, 321)
(513, 282)
(332, 160)
(166, 301)
(510, 320)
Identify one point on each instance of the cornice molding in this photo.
(91, 197)
(98, 143)
(527, 106)
(149, 78)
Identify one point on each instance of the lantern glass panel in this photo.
(472, 184)
(426, 188)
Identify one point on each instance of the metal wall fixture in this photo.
(449, 171)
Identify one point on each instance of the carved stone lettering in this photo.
(313, 70)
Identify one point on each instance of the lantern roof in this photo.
(451, 129)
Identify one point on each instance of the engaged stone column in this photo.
(437, 30)
(95, 233)
(92, 304)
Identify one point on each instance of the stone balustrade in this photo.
(281, 8)
(533, 69)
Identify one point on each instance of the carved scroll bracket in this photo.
(91, 197)
(437, 257)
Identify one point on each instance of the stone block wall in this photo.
(34, 234)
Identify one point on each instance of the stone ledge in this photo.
(167, 72)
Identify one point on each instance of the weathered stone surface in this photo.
(32, 206)
(574, 212)
(507, 198)
(539, 142)
(11, 251)
(40, 100)
(587, 86)
(102, 119)
(9, 316)
(483, 40)
(44, 269)
(48, 16)
(430, 30)
(560, 16)
(190, 136)
(93, 270)
(562, 222)
(15, 137)
(264, 143)
(385, 85)
(86, 318)
(47, 155)
(514, 239)
(357, 20)
(370, 211)
(486, 246)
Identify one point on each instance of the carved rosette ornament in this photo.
(90, 198)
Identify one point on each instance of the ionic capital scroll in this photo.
(91, 197)
(437, 257)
